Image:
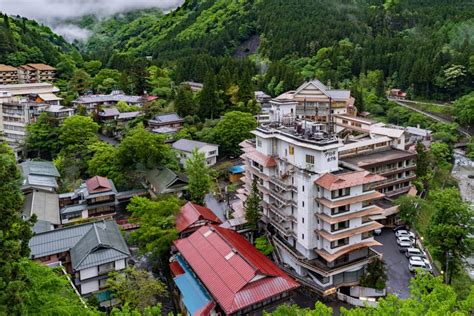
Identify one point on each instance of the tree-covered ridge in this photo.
(25, 41)
(424, 46)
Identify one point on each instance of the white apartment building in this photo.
(185, 148)
(317, 211)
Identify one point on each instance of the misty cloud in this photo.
(51, 12)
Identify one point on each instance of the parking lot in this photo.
(396, 265)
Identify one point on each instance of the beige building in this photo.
(33, 73)
(8, 74)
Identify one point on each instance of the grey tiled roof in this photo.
(167, 118)
(165, 180)
(39, 168)
(188, 145)
(89, 244)
(44, 204)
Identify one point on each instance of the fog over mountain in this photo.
(53, 12)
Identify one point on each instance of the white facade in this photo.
(286, 165)
(210, 152)
(94, 278)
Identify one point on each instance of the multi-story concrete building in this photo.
(15, 116)
(185, 149)
(318, 211)
(8, 74)
(34, 73)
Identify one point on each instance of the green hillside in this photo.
(26, 41)
(425, 46)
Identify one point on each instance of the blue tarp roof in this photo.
(237, 169)
(194, 295)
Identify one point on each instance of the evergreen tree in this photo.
(253, 207)
(198, 176)
(210, 103)
(15, 234)
(184, 101)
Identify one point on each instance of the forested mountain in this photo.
(424, 45)
(25, 41)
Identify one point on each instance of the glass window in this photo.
(291, 150)
(310, 159)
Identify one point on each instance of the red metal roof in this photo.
(259, 158)
(176, 268)
(191, 213)
(235, 273)
(98, 184)
(346, 180)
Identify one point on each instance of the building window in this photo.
(339, 243)
(367, 235)
(212, 153)
(259, 142)
(340, 193)
(339, 226)
(302, 220)
(302, 188)
(291, 149)
(310, 159)
(302, 203)
(340, 209)
(302, 236)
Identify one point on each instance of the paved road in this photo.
(396, 265)
(111, 141)
(430, 115)
(215, 206)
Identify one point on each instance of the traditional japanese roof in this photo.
(128, 115)
(98, 184)
(167, 118)
(235, 273)
(90, 244)
(191, 213)
(189, 145)
(45, 205)
(165, 180)
(39, 174)
(107, 112)
(331, 181)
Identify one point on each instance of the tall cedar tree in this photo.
(210, 104)
(252, 206)
(14, 233)
(198, 176)
(184, 101)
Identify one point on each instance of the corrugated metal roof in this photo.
(190, 213)
(39, 168)
(227, 265)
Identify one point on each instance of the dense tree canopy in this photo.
(199, 177)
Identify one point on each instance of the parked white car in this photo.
(415, 264)
(404, 233)
(404, 239)
(420, 262)
(404, 245)
(410, 252)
